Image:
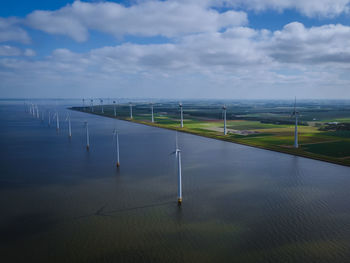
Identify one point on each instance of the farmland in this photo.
(323, 125)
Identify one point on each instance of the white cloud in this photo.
(240, 62)
(10, 51)
(10, 31)
(149, 18)
(316, 45)
(310, 8)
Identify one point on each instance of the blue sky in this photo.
(175, 49)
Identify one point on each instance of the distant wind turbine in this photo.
(87, 136)
(152, 113)
(101, 101)
(114, 107)
(49, 119)
(224, 109)
(57, 122)
(116, 138)
(37, 112)
(69, 126)
(295, 113)
(179, 173)
(130, 104)
(182, 116)
(92, 105)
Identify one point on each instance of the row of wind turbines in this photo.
(33, 109)
(294, 114)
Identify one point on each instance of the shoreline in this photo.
(290, 151)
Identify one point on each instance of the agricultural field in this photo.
(323, 131)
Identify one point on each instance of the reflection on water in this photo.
(60, 203)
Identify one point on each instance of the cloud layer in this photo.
(207, 52)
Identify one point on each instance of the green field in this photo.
(267, 126)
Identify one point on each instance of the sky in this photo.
(219, 49)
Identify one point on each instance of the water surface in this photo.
(60, 203)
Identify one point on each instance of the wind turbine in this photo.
(92, 105)
(69, 126)
(87, 136)
(152, 113)
(83, 104)
(114, 107)
(57, 122)
(295, 113)
(179, 173)
(116, 138)
(182, 116)
(224, 109)
(130, 104)
(37, 112)
(49, 119)
(101, 101)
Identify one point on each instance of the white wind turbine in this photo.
(224, 111)
(87, 136)
(179, 173)
(69, 126)
(116, 138)
(182, 116)
(92, 105)
(57, 122)
(101, 101)
(295, 113)
(130, 104)
(37, 112)
(115, 109)
(49, 119)
(152, 113)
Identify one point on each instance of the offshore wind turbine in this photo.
(179, 173)
(57, 122)
(224, 109)
(92, 105)
(130, 104)
(116, 138)
(101, 101)
(87, 136)
(115, 109)
(37, 112)
(152, 113)
(295, 113)
(69, 126)
(182, 115)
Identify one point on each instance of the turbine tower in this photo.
(92, 105)
(152, 113)
(116, 137)
(182, 116)
(101, 101)
(37, 112)
(87, 136)
(130, 104)
(69, 126)
(83, 104)
(57, 122)
(49, 124)
(224, 109)
(115, 110)
(179, 173)
(295, 113)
